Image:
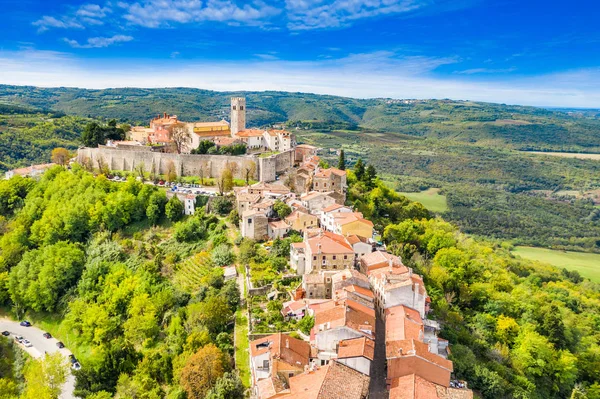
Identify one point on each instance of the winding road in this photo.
(40, 346)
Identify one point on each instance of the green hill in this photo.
(519, 127)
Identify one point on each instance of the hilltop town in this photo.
(371, 335)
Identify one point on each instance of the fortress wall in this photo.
(188, 164)
(185, 164)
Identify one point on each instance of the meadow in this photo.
(430, 198)
(587, 264)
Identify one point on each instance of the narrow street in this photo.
(377, 387)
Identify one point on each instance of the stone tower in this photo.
(238, 115)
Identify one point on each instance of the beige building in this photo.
(300, 221)
(315, 201)
(331, 179)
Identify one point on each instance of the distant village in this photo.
(370, 310)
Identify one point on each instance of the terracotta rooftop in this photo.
(329, 171)
(343, 218)
(357, 347)
(282, 346)
(245, 197)
(379, 259)
(414, 387)
(350, 275)
(402, 322)
(27, 170)
(333, 207)
(250, 133)
(279, 224)
(412, 347)
(333, 381)
(347, 313)
(329, 243)
(314, 194)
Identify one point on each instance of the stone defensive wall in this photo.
(128, 159)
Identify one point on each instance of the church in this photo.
(222, 133)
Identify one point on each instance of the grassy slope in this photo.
(431, 199)
(588, 265)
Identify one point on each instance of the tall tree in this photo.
(359, 169)
(60, 156)
(202, 371)
(342, 161)
(174, 209)
(181, 137)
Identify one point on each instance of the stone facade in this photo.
(186, 164)
(238, 115)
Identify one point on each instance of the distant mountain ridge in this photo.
(520, 127)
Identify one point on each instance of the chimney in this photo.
(391, 263)
(287, 343)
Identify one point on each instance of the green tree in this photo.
(214, 314)
(156, 207)
(306, 324)
(342, 161)
(359, 169)
(93, 135)
(44, 275)
(229, 386)
(222, 255)
(282, 209)
(174, 209)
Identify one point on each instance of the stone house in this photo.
(331, 179)
(315, 201)
(407, 353)
(245, 200)
(336, 321)
(399, 286)
(274, 360)
(361, 247)
(357, 353)
(277, 229)
(254, 225)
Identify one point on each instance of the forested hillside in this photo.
(518, 127)
(27, 135)
(518, 329)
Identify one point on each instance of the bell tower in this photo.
(238, 115)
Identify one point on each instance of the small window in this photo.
(324, 257)
(334, 257)
(345, 257)
(265, 364)
(234, 107)
(315, 257)
(249, 221)
(241, 107)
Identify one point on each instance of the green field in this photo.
(588, 265)
(431, 199)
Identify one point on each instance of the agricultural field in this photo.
(430, 198)
(578, 155)
(587, 264)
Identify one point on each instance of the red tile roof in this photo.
(357, 347)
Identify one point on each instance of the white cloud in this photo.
(314, 14)
(475, 71)
(97, 42)
(353, 76)
(158, 13)
(87, 14)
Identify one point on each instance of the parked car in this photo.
(25, 323)
(5, 333)
(19, 338)
(47, 335)
(76, 366)
(72, 358)
(26, 343)
(60, 344)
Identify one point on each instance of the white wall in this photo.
(360, 364)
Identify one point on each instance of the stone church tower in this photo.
(238, 115)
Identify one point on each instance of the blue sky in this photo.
(522, 52)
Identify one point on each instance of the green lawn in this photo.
(242, 355)
(588, 265)
(431, 199)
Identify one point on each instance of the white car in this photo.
(26, 343)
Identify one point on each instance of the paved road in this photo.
(378, 385)
(40, 346)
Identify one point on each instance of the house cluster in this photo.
(222, 133)
(348, 283)
(315, 203)
(29, 171)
